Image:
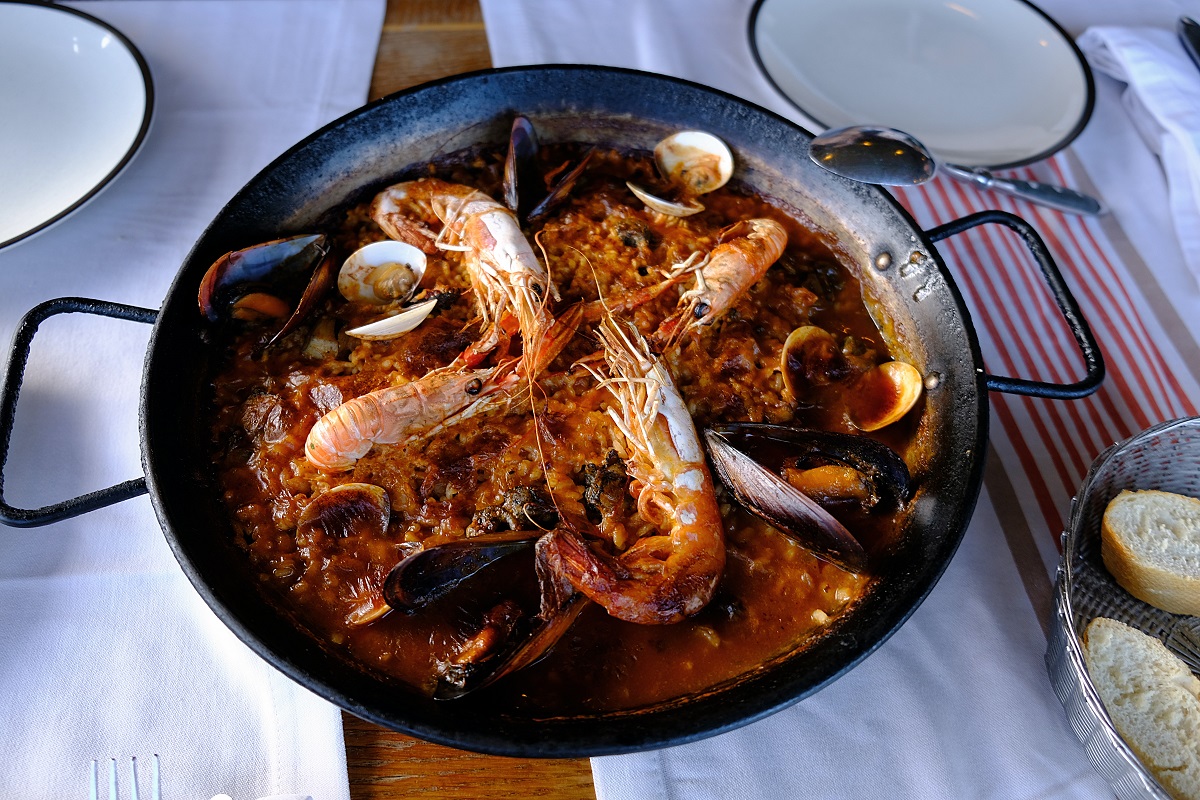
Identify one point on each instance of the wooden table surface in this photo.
(423, 40)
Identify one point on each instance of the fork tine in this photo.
(154, 784)
(112, 779)
(93, 794)
(133, 783)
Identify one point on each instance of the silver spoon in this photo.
(894, 158)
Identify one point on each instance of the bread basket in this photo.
(1164, 457)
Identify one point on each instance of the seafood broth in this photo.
(550, 443)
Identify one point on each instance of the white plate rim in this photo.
(1084, 115)
(135, 145)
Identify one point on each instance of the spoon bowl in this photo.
(873, 155)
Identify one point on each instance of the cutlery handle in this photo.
(1059, 197)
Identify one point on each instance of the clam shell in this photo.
(382, 273)
(395, 325)
(665, 206)
(697, 161)
(884, 395)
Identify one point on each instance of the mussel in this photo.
(694, 163)
(883, 482)
(526, 642)
(525, 190)
(281, 279)
(432, 572)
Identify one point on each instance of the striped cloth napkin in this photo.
(957, 703)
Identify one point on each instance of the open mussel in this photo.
(505, 644)
(785, 448)
(526, 192)
(281, 279)
(693, 163)
(837, 468)
(769, 497)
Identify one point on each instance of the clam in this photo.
(396, 324)
(280, 279)
(694, 163)
(385, 273)
(381, 273)
(884, 394)
(695, 160)
(662, 206)
(811, 357)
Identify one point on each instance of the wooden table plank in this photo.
(423, 40)
(426, 39)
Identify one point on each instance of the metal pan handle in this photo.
(1062, 296)
(13, 376)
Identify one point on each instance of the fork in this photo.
(133, 781)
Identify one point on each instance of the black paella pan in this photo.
(908, 289)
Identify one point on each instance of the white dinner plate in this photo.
(76, 100)
(993, 83)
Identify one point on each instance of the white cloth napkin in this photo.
(1162, 98)
(957, 703)
(105, 649)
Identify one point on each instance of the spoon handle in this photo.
(1059, 197)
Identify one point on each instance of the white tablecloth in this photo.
(107, 650)
(957, 703)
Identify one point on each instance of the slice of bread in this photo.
(1153, 700)
(1150, 542)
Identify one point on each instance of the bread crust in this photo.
(1169, 590)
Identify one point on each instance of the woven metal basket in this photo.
(1165, 457)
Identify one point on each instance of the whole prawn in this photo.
(509, 282)
(425, 406)
(661, 578)
(747, 249)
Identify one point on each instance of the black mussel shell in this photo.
(432, 572)
(771, 498)
(884, 469)
(283, 267)
(529, 642)
(522, 185)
